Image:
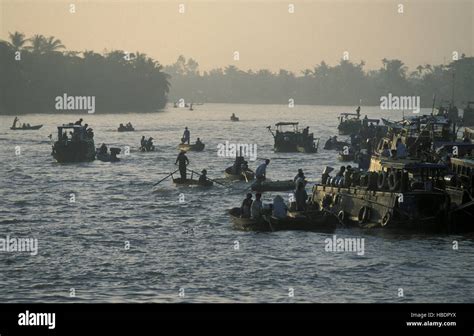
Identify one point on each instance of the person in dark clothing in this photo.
(203, 177)
(186, 136)
(183, 161)
(79, 122)
(143, 143)
(301, 196)
(245, 209)
(341, 171)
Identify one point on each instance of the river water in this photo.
(123, 240)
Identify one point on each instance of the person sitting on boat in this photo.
(149, 144)
(186, 136)
(79, 122)
(121, 127)
(143, 143)
(401, 149)
(24, 125)
(183, 162)
(90, 133)
(301, 196)
(279, 207)
(129, 125)
(203, 177)
(103, 149)
(198, 141)
(236, 167)
(386, 150)
(261, 172)
(257, 207)
(245, 209)
(341, 171)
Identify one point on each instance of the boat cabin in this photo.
(78, 132)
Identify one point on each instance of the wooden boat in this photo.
(190, 182)
(28, 128)
(243, 176)
(126, 129)
(322, 221)
(268, 185)
(196, 147)
(247, 224)
(233, 118)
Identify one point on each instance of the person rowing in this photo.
(183, 161)
(203, 177)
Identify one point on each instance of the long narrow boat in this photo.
(197, 147)
(190, 182)
(243, 176)
(268, 185)
(322, 221)
(29, 128)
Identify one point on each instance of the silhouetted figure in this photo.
(245, 209)
(183, 161)
(79, 122)
(186, 136)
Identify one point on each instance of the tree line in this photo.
(345, 83)
(34, 71)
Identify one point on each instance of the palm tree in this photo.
(52, 44)
(17, 40)
(37, 44)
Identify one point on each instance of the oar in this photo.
(165, 177)
(245, 176)
(207, 178)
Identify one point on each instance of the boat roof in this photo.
(285, 123)
(70, 126)
(409, 164)
(349, 114)
(467, 162)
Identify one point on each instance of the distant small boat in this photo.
(26, 128)
(197, 147)
(189, 182)
(234, 118)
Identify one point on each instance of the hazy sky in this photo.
(264, 32)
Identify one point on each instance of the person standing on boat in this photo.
(358, 112)
(245, 209)
(15, 121)
(261, 172)
(257, 206)
(183, 161)
(186, 136)
(301, 196)
(143, 143)
(299, 177)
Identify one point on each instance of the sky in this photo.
(264, 33)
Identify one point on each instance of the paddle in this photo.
(207, 178)
(165, 177)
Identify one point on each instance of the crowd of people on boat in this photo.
(146, 145)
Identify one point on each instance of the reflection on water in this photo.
(191, 245)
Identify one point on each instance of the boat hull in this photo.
(192, 147)
(244, 176)
(273, 186)
(36, 127)
(191, 182)
(83, 151)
